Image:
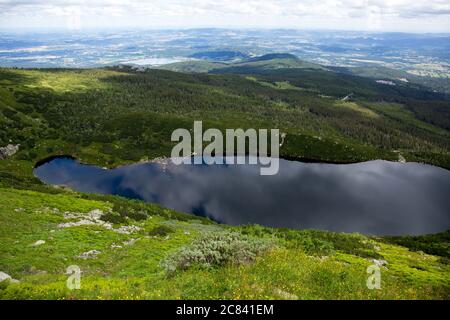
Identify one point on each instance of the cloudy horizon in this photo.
(364, 15)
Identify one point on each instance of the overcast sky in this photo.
(375, 15)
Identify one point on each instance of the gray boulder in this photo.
(92, 254)
(4, 276)
(8, 151)
(38, 243)
(7, 277)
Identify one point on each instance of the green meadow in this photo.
(162, 261)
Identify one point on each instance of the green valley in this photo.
(127, 249)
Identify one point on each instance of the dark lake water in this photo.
(376, 197)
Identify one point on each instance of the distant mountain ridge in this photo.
(271, 56)
(224, 55)
(276, 61)
(269, 61)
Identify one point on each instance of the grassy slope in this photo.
(293, 269)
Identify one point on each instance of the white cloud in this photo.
(420, 15)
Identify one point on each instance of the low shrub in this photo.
(437, 244)
(161, 231)
(130, 210)
(317, 242)
(113, 217)
(217, 249)
(444, 260)
(313, 246)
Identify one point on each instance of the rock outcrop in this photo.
(92, 254)
(93, 218)
(7, 277)
(8, 151)
(38, 243)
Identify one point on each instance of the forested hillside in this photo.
(116, 115)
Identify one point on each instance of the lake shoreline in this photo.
(372, 197)
(164, 158)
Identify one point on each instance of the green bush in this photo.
(444, 260)
(113, 217)
(217, 249)
(315, 246)
(132, 210)
(161, 231)
(32, 154)
(138, 215)
(317, 242)
(437, 244)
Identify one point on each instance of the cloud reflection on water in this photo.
(376, 197)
